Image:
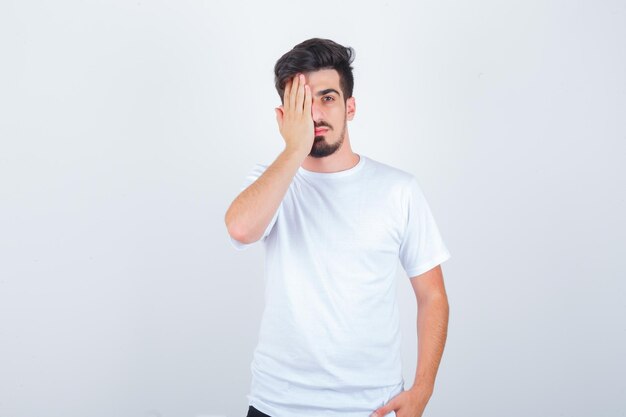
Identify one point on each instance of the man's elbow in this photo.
(243, 238)
(238, 233)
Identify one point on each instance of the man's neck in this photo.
(341, 160)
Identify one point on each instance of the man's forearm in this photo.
(251, 212)
(432, 330)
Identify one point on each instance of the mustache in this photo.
(322, 124)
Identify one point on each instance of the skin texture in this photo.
(308, 103)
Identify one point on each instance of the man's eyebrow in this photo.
(328, 90)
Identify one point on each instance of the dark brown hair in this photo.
(312, 55)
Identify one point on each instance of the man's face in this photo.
(329, 110)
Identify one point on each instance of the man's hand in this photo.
(410, 403)
(294, 116)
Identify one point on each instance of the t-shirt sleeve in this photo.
(252, 176)
(422, 247)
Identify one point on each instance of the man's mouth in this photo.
(320, 131)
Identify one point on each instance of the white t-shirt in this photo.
(329, 343)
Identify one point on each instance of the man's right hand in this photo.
(250, 213)
(294, 116)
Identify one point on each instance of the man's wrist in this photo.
(423, 388)
(298, 152)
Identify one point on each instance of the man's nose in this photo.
(316, 112)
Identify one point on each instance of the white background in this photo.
(127, 127)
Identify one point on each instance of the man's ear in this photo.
(350, 108)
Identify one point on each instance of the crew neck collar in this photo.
(337, 174)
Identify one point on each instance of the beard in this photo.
(321, 148)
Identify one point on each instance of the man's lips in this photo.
(321, 130)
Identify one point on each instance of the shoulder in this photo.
(390, 174)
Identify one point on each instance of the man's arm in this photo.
(250, 213)
(252, 210)
(432, 328)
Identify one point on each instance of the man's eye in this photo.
(331, 98)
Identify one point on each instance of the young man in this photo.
(334, 224)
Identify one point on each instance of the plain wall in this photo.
(127, 127)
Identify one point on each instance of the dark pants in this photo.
(253, 412)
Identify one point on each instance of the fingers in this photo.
(308, 100)
(297, 97)
(286, 94)
(300, 96)
(295, 87)
(294, 117)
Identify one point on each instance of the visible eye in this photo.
(330, 97)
